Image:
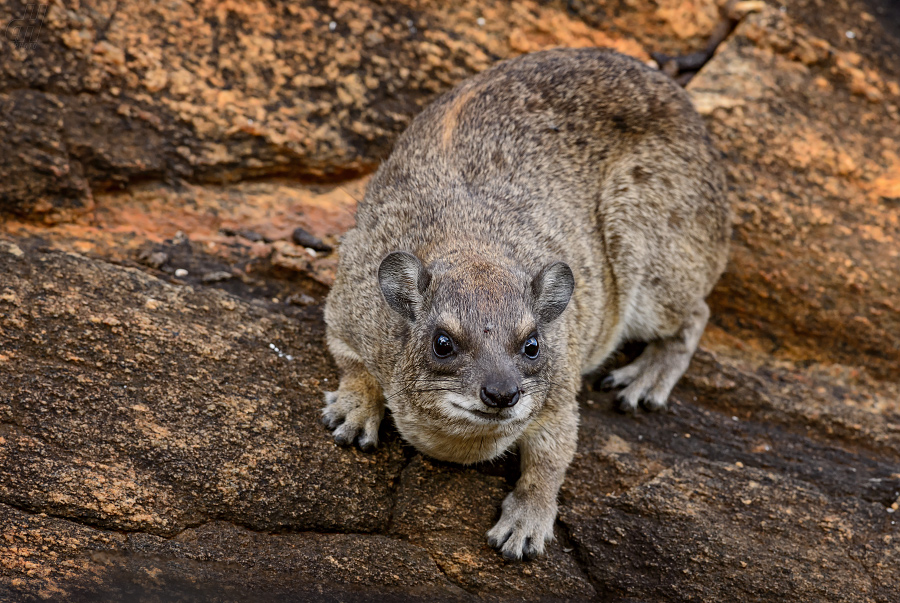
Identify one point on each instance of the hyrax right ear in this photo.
(552, 288)
(403, 281)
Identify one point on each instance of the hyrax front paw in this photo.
(524, 527)
(354, 416)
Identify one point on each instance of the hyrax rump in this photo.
(527, 223)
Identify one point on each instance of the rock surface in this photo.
(810, 129)
(114, 92)
(162, 358)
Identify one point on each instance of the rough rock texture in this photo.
(112, 92)
(211, 562)
(162, 359)
(120, 388)
(810, 132)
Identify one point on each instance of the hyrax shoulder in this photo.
(525, 224)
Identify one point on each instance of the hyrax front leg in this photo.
(651, 377)
(529, 511)
(356, 409)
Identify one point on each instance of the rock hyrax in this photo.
(527, 223)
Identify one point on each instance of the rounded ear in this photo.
(403, 281)
(552, 288)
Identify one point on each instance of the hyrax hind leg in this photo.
(650, 378)
(356, 409)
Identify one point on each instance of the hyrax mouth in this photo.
(481, 413)
(498, 416)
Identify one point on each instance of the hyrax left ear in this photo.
(403, 281)
(552, 288)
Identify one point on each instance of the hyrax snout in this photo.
(526, 224)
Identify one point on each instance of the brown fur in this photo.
(584, 157)
(451, 119)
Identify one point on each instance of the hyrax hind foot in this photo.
(649, 379)
(354, 412)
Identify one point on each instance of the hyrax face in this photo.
(480, 350)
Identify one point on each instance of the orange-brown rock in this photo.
(115, 92)
(814, 170)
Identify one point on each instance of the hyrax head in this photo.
(478, 351)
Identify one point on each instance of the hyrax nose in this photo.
(500, 396)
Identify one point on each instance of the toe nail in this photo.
(343, 439)
(365, 443)
(608, 383)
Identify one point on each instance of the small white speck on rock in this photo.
(181, 273)
(332, 26)
(850, 35)
(480, 21)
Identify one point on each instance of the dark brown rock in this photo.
(169, 407)
(448, 510)
(748, 478)
(214, 561)
(722, 532)
(36, 166)
(303, 238)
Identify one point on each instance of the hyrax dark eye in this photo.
(531, 348)
(442, 345)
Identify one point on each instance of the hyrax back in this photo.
(526, 223)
